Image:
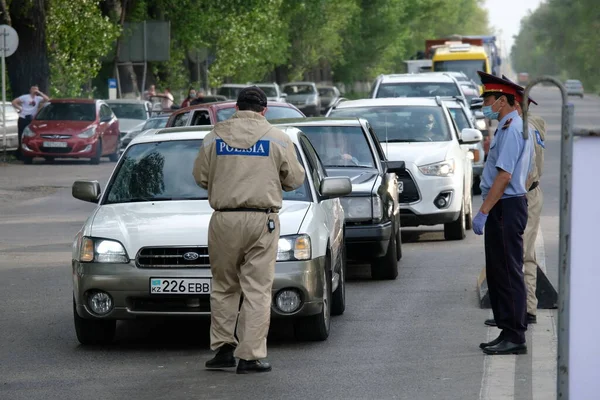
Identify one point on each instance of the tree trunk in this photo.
(29, 64)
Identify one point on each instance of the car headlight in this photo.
(294, 248)
(443, 168)
(27, 132)
(362, 208)
(102, 251)
(88, 133)
(480, 124)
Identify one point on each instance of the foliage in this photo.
(77, 37)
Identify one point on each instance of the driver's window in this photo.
(200, 117)
(181, 119)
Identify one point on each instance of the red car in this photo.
(211, 113)
(72, 128)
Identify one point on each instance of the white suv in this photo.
(431, 84)
(421, 132)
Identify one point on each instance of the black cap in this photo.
(252, 95)
(494, 85)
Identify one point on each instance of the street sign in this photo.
(112, 88)
(9, 41)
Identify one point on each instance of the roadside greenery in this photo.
(560, 39)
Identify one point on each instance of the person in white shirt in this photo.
(27, 106)
(167, 99)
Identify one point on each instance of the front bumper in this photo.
(84, 148)
(129, 288)
(365, 242)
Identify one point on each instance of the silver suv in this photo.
(434, 84)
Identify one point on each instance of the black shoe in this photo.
(252, 366)
(531, 319)
(223, 359)
(492, 343)
(506, 347)
(490, 322)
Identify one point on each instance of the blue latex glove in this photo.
(479, 223)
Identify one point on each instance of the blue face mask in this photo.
(488, 113)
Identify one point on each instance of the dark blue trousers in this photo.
(504, 266)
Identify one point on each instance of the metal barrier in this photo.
(566, 167)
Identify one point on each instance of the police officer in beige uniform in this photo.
(244, 163)
(535, 201)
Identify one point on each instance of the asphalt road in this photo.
(413, 338)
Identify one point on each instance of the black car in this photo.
(348, 147)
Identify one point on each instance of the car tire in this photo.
(27, 160)
(316, 327)
(469, 216)
(114, 157)
(386, 267)
(93, 332)
(456, 230)
(96, 159)
(399, 245)
(338, 299)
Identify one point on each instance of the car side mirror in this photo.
(395, 167)
(87, 191)
(332, 187)
(470, 136)
(476, 103)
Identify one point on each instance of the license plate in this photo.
(400, 187)
(55, 144)
(180, 285)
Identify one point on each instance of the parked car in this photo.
(305, 96)
(72, 128)
(438, 177)
(348, 147)
(231, 90)
(272, 91)
(429, 84)
(12, 118)
(329, 96)
(152, 232)
(574, 88)
(210, 114)
(132, 114)
(151, 123)
(464, 119)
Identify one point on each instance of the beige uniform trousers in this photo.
(242, 255)
(535, 201)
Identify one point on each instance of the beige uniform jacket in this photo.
(245, 162)
(539, 125)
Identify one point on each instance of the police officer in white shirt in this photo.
(27, 106)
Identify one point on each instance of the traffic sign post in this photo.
(10, 42)
(112, 88)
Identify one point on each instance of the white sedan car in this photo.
(143, 251)
(436, 186)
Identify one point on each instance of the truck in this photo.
(489, 44)
(467, 56)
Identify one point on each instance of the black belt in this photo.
(242, 209)
(534, 185)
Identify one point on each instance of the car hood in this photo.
(362, 180)
(127, 125)
(420, 153)
(172, 223)
(60, 127)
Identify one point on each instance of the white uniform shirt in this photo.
(29, 105)
(167, 102)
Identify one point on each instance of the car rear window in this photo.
(129, 111)
(229, 92)
(273, 112)
(326, 92)
(162, 171)
(417, 89)
(67, 112)
(340, 146)
(298, 89)
(402, 123)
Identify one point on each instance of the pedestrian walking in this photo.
(503, 215)
(27, 106)
(244, 163)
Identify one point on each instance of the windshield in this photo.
(340, 146)
(229, 92)
(68, 112)
(469, 67)
(155, 123)
(270, 91)
(417, 89)
(402, 123)
(129, 111)
(162, 171)
(273, 112)
(328, 92)
(291, 90)
(459, 117)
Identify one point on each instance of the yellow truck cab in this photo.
(461, 57)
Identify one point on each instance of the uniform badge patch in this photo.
(260, 149)
(507, 123)
(538, 137)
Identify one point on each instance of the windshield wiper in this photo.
(402, 140)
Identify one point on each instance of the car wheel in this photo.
(27, 160)
(338, 302)
(469, 216)
(386, 267)
(398, 246)
(456, 230)
(316, 327)
(96, 159)
(93, 332)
